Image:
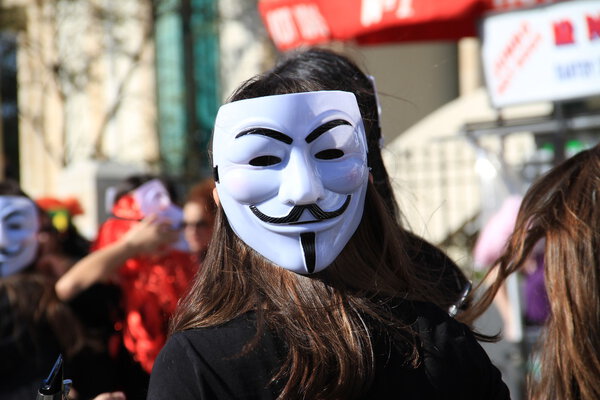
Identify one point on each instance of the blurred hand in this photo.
(151, 235)
(111, 396)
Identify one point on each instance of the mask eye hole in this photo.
(329, 154)
(264, 161)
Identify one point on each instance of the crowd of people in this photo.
(289, 274)
(105, 305)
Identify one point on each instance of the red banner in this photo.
(293, 23)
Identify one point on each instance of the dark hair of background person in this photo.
(321, 317)
(73, 242)
(59, 247)
(562, 208)
(9, 187)
(321, 69)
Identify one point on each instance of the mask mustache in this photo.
(294, 215)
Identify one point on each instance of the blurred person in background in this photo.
(491, 243)
(199, 212)
(141, 250)
(562, 210)
(35, 326)
(61, 244)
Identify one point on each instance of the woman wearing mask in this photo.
(307, 290)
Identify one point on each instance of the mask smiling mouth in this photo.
(293, 217)
(6, 253)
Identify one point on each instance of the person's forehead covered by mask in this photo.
(19, 226)
(291, 174)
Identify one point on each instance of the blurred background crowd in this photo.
(106, 116)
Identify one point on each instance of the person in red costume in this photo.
(140, 247)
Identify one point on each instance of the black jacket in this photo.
(205, 363)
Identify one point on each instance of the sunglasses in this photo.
(195, 224)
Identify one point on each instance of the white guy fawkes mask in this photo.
(19, 226)
(292, 174)
(153, 198)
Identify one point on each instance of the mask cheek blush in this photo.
(344, 177)
(250, 186)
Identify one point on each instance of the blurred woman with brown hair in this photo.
(563, 209)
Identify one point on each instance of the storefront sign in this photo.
(547, 53)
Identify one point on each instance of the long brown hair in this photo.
(562, 207)
(326, 319)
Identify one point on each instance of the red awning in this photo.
(293, 23)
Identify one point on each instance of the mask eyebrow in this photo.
(267, 132)
(15, 213)
(318, 131)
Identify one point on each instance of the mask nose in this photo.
(300, 183)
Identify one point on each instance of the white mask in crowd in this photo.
(153, 198)
(19, 226)
(292, 174)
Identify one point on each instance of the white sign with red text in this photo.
(548, 53)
